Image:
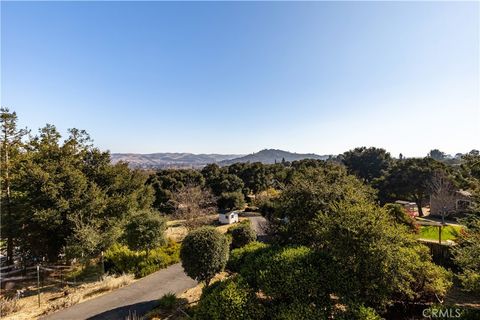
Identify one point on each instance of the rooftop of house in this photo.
(402, 202)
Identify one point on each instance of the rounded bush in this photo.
(204, 253)
(242, 235)
(230, 299)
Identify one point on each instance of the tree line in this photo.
(335, 253)
(62, 195)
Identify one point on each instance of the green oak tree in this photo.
(367, 163)
(409, 179)
(145, 230)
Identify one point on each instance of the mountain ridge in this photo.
(163, 160)
(270, 156)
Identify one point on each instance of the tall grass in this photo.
(9, 305)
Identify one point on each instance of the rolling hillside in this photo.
(170, 160)
(190, 160)
(272, 156)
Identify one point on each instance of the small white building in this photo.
(228, 218)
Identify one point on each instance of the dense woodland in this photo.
(62, 198)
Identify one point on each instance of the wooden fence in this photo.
(441, 253)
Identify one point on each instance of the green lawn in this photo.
(431, 232)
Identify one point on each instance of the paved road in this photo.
(139, 297)
(259, 224)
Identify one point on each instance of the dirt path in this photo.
(139, 297)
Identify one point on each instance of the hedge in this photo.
(238, 256)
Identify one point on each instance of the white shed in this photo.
(228, 218)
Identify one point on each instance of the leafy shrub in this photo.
(167, 301)
(120, 259)
(253, 263)
(229, 299)
(238, 256)
(470, 280)
(295, 274)
(420, 278)
(398, 213)
(466, 255)
(298, 311)
(242, 234)
(361, 312)
(204, 253)
(231, 200)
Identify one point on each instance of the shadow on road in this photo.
(123, 312)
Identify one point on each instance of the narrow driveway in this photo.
(259, 224)
(139, 297)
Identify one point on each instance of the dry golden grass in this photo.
(177, 231)
(9, 305)
(52, 301)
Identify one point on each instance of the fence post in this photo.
(440, 234)
(38, 283)
(103, 265)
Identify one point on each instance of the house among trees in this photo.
(455, 203)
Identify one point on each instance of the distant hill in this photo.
(190, 160)
(272, 156)
(170, 160)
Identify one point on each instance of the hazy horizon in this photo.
(236, 78)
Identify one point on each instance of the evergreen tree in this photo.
(10, 144)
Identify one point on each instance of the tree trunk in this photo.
(419, 205)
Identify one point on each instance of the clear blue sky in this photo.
(229, 77)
